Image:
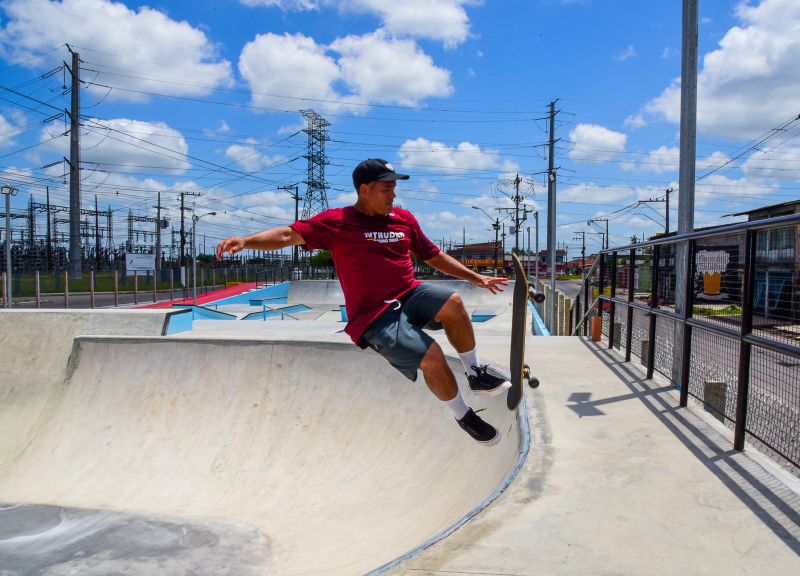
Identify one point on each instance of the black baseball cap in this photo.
(373, 169)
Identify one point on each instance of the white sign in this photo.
(140, 262)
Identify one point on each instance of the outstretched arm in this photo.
(448, 265)
(272, 239)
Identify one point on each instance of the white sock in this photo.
(469, 359)
(458, 406)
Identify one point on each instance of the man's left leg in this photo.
(457, 325)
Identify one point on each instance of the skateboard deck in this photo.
(519, 370)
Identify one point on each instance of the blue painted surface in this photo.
(179, 322)
(343, 312)
(266, 313)
(279, 290)
(538, 324)
(202, 313)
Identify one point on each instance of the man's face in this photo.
(378, 197)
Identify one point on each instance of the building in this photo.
(776, 294)
(481, 258)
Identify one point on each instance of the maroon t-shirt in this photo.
(372, 255)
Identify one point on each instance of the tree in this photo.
(322, 258)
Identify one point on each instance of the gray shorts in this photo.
(398, 335)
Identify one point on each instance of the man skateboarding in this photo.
(387, 308)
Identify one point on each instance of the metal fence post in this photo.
(686, 344)
(38, 290)
(601, 286)
(136, 287)
(116, 288)
(651, 349)
(172, 283)
(155, 285)
(586, 302)
(66, 289)
(612, 309)
(91, 288)
(745, 348)
(629, 334)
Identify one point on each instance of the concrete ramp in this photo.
(187, 456)
(330, 292)
(35, 347)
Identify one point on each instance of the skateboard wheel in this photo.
(533, 382)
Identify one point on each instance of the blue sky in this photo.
(205, 97)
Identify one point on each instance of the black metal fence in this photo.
(718, 313)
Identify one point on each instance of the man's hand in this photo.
(491, 283)
(231, 245)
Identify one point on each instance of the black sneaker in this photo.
(486, 384)
(481, 432)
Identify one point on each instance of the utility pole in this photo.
(583, 251)
(536, 243)
(158, 232)
(183, 227)
(96, 235)
(669, 191)
(49, 237)
(75, 268)
(528, 255)
(296, 197)
(551, 211)
(686, 180)
(517, 199)
(595, 221)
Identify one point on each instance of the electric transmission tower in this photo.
(316, 199)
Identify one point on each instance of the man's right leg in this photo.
(409, 349)
(441, 381)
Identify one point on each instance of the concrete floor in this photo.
(280, 448)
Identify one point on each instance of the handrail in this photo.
(766, 223)
(746, 336)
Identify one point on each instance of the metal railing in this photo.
(115, 288)
(733, 344)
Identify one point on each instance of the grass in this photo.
(729, 310)
(25, 284)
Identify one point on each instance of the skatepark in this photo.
(165, 441)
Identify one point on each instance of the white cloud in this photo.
(670, 52)
(721, 187)
(374, 67)
(627, 54)
(127, 145)
(593, 143)
(344, 199)
(661, 160)
(591, 192)
(7, 132)
(781, 163)
(384, 70)
(750, 83)
(713, 161)
(424, 154)
(223, 128)
(145, 46)
(250, 158)
(284, 4)
(293, 66)
(635, 121)
(443, 20)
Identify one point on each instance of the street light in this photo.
(496, 227)
(195, 218)
(8, 191)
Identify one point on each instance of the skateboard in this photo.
(519, 370)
